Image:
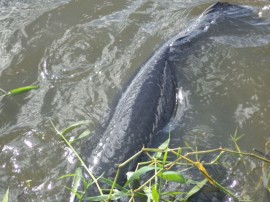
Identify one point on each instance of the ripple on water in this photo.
(83, 55)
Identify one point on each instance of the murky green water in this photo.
(82, 54)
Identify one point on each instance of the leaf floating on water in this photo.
(21, 90)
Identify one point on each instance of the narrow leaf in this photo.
(155, 194)
(165, 157)
(78, 195)
(22, 90)
(164, 145)
(76, 183)
(84, 134)
(138, 173)
(110, 183)
(103, 197)
(172, 176)
(196, 188)
(5, 198)
(172, 193)
(73, 126)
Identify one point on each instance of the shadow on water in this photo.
(83, 53)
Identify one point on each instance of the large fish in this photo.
(149, 101)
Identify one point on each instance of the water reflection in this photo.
(84, 53)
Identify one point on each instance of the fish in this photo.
(150, 100)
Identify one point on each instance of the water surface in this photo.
(83, 54)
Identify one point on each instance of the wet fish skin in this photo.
(149, 101)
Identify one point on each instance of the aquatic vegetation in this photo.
(17, 90)
(161, 167)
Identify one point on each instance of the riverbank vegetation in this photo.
(165, 174)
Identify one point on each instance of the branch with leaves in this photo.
(160, 165)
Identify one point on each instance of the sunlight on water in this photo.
(83, 54)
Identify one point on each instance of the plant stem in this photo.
(79, 158)
(5, 92)
(148, 181)
(246, 154)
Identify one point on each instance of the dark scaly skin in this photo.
(145, 107)
(149, 101)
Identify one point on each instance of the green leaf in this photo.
(22, 90)
(196, 188)
(136, 175)
(75, 192)
(165, 157)
(155, 194)
(5, 198)
(172, 193)
(179, 152)
(73, 126)
(164, 145)
(77, 177)
(172, 176)
(110, 183)
(84, 134)
(76, 183)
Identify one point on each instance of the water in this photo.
(82, 54)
